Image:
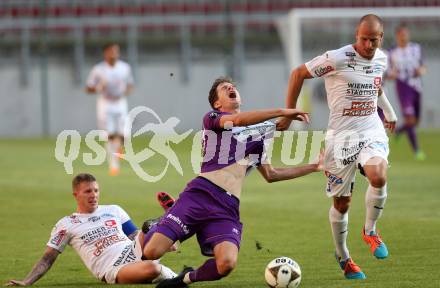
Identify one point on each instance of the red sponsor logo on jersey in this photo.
(360, 108)
(110, 223)
(321, 71)
(105, 242)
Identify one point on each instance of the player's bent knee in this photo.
(342, 204)
(152, 253)
(152, 270)
(138, 272)
(342, 209)
(225, 265)
(378, 181)
(157, 246)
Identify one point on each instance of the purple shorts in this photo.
(409, 99)
(206, 210)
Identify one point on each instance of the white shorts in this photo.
(112, 115)
(132, 253)
(341, 162)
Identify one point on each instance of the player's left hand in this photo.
(390, 125)
(16, 283)
(320, 163)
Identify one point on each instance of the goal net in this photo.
(306, 33)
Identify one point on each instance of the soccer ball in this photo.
(283, 272)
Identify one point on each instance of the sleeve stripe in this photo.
(129, 227)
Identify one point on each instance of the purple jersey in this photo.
(223, 147)
(405, 61)
(204, 208)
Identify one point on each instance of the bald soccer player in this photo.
(356, 137)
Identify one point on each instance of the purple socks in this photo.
(206, 272)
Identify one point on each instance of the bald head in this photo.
(369, 35)
(372, 21)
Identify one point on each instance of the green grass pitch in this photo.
(286, 219)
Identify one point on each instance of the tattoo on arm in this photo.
(42, 266)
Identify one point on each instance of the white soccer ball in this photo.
(283, 272)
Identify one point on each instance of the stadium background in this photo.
(48, 47)
(176, 49)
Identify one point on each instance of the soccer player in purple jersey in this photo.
(406, 67)
(209, 205)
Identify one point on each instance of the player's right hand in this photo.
(16, 283)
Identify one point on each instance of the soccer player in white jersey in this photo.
(112, 79)
(104, 237)
(406, 67)
(356, 136)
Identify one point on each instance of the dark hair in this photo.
(83, 177)
(213, 91)
(108, 45)
(400, 27)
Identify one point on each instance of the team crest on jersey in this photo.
(59, 237)
(74, 219)
(321, 71)
(377, 81)
(110, 223)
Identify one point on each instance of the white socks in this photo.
(339, 225)
(374, 202)
(165, 273)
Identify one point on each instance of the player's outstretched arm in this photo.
(39, 269)
(274, 174)
(294, 86)
(258, 116)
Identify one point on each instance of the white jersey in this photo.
(97, 237)
(352, 83)
(405, 61)
(113, 80)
